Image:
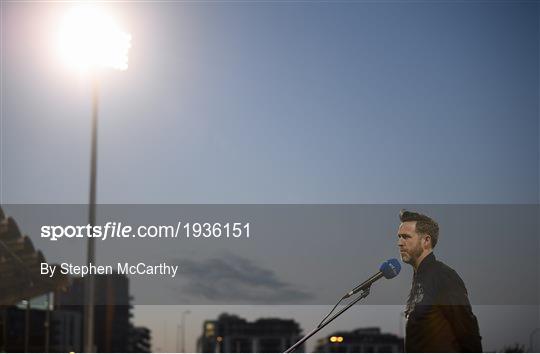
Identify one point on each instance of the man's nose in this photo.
(399, 242)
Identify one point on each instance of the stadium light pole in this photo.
(89, 40)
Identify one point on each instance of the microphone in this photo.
(388, 269)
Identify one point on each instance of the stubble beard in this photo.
(411, 256)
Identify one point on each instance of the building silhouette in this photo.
(29, 326)
(113, 330)
(23, 328)
(40, 327)
(362, 340)
(20, 266)
(232, 334)
(39, 330)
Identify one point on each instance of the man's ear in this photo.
(427, 239)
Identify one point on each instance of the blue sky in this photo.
(281, 102)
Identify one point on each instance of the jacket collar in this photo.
(426, 262)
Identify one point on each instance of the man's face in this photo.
(409, 242)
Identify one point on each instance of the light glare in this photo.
(88, 38)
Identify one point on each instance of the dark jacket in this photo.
(439, 315)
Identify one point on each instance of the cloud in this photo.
(236, 280)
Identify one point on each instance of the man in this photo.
(439, 315)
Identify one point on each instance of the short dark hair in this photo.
(424, 224)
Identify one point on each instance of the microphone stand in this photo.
(362, 295)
